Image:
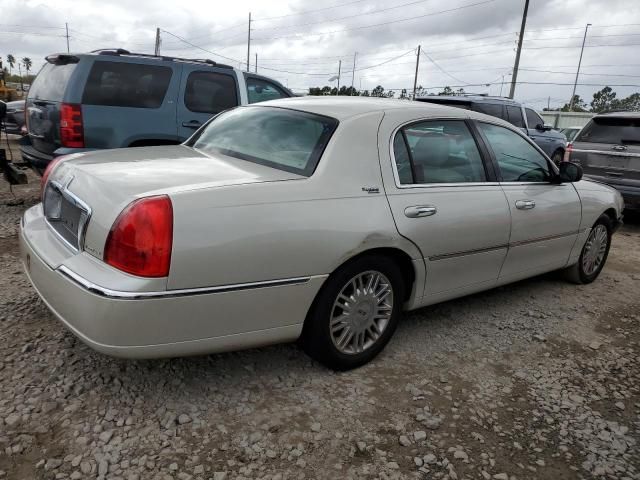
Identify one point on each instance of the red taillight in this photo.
(71, 131)
(567, 153)
(47, 172)
(141, 238)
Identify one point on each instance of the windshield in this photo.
(275, 137)
(612, 130)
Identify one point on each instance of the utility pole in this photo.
(353, 72)
(66, 26)
(20, 73)
(520, 39)
(548, 103)
(249, 42)
(339, 69)
(415, 78)
(575, 84)
(157, 49)
(256, 62)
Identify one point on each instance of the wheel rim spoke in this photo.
(361, 312)
(595, 249)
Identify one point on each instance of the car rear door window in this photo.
(210, 92)
(611, 130)
(259, 90)
(517, 159)
(533, 119)
(514, 116)
(125, 84)
(439, 151)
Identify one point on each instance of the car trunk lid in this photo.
(88, 191)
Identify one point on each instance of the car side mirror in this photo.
(570, 172)
(544, 128)
(3, 110)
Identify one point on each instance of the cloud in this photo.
(474, 44)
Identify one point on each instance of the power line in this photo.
(311, 11)
(581, 73)
(200, 48)
(441, 69)
(415, 17)
(360, 14)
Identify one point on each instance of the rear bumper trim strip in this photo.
(121, 295)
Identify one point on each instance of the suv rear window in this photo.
(515, 116)
(493, 109)
(280, 138)
(123, 84)
(51, 82)
(617, 131)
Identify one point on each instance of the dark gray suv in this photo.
(552, 142)
(608, 148)
(114, 99)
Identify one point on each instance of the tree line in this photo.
(605, 100)
(379, 91)
(11, 63)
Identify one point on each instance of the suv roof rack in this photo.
(122, 51)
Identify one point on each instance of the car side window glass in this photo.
(440, 151)
(403, 161)
(210, 92)
(493, 109)
(124, 84)
(517, 159)
(259, 90)
(514, 115)
(533, 119)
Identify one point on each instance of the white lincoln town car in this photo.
(318, 219)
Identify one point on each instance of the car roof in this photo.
(619, 114)
(467, 99)
(343, 107)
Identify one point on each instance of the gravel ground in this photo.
(539, 379)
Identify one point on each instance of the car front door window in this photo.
(517, 159)
(533, 119)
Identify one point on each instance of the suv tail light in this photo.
(567, 153)
(47, 173)
(141, 238)
(71, 130)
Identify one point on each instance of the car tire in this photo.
(355, 313)
(557, 156)
(594, 253)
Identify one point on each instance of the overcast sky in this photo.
(467, 42)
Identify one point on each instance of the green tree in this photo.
(579, 105)
(11, 60)
(26, 61)
(602, 100)
(447, 91)
(631, 103)
(378, 91)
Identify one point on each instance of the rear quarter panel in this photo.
(596, 199)
(285, 229)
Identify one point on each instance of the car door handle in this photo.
(192, 124)
(420, 211)
(525, 204)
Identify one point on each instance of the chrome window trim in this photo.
(78, 202)
(394, 166)
(124, 295)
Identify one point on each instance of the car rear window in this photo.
(285, 139)
(617, 131)
(51, 82)
(515, 116)
(123, 84)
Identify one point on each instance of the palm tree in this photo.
(11, 60)
(26, 61)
